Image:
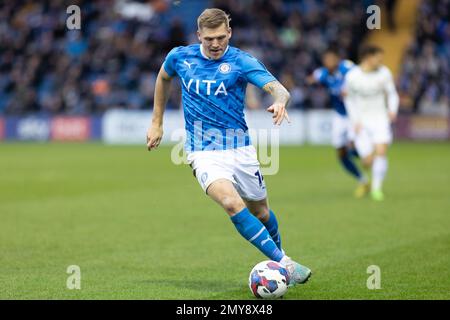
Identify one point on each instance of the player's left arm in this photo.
(281, 99)
(392, 97)
(256, 73)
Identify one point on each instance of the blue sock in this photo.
(353, 152)
(254, 231)
(272, 226)
(350, 166)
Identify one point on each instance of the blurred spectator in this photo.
(425, 75)
(111, 62)
(290, 36)
(114, 59)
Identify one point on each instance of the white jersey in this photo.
(370, 95)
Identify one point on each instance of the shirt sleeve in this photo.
(318, 75)
(347, 65)
(255, 72)
(391, 93)
(170, 61)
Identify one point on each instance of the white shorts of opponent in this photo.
(372, 133)
(342, 131)
(240, 166)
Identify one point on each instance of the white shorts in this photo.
(371, 134)
(342, 131)
(240, 166)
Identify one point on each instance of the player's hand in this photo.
(279, 113)
(392, 117)
(310, 80)
(154, 136)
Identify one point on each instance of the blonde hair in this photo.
(213, 18)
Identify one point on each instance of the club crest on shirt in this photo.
(204, 177)
(224, 68)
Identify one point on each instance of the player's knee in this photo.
(381, 151)
(232, 204)
(262, 213)
(341, 153)
(367, 162)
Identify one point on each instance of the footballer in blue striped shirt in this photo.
(214, 77)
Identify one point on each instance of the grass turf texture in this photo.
(140, 227)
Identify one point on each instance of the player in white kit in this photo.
(372, 104)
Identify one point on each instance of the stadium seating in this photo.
(112, 61)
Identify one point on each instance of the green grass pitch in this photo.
(140, 227)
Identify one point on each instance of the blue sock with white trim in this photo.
(272, 226)
(254, 231)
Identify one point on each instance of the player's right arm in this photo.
(392, 96)
(162, 87)
(315, 77)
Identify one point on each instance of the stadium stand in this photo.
(113, 60)
(424, 81)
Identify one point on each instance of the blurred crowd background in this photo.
(424, 81)
(114, 59)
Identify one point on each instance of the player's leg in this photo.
(251, 187)
(224, 193)
(382, 137)
(298, 273)
(261, 210)
(365, 147)
(379, 170)
(340, 140)
(214, 171)
(367, 160)
(345, 159)
(351, 149)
